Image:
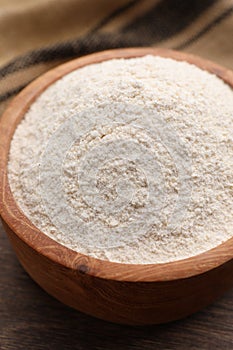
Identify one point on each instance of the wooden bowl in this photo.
(122, 293)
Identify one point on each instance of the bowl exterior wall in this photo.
(134, 303)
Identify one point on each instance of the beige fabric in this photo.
(30, 24)
(38, 35)
(216, 45)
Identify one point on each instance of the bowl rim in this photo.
(17, 221)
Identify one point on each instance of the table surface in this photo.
(31, 319)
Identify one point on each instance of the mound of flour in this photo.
(129, 160)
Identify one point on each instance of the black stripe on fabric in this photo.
(206, 29)
(68, 50)
(11, 93)
(114, 15)
(166, 19)
(47, 54)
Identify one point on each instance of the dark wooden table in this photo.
(31, 319)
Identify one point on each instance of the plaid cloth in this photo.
(38, 35)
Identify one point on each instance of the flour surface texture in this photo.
(129, 160)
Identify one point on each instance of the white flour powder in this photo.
(129, 161)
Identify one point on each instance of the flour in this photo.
(129, 161)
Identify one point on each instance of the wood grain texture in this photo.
(30, 319)
(131, 294)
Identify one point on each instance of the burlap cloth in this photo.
(36, 35)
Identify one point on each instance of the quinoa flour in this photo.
(129, 160)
